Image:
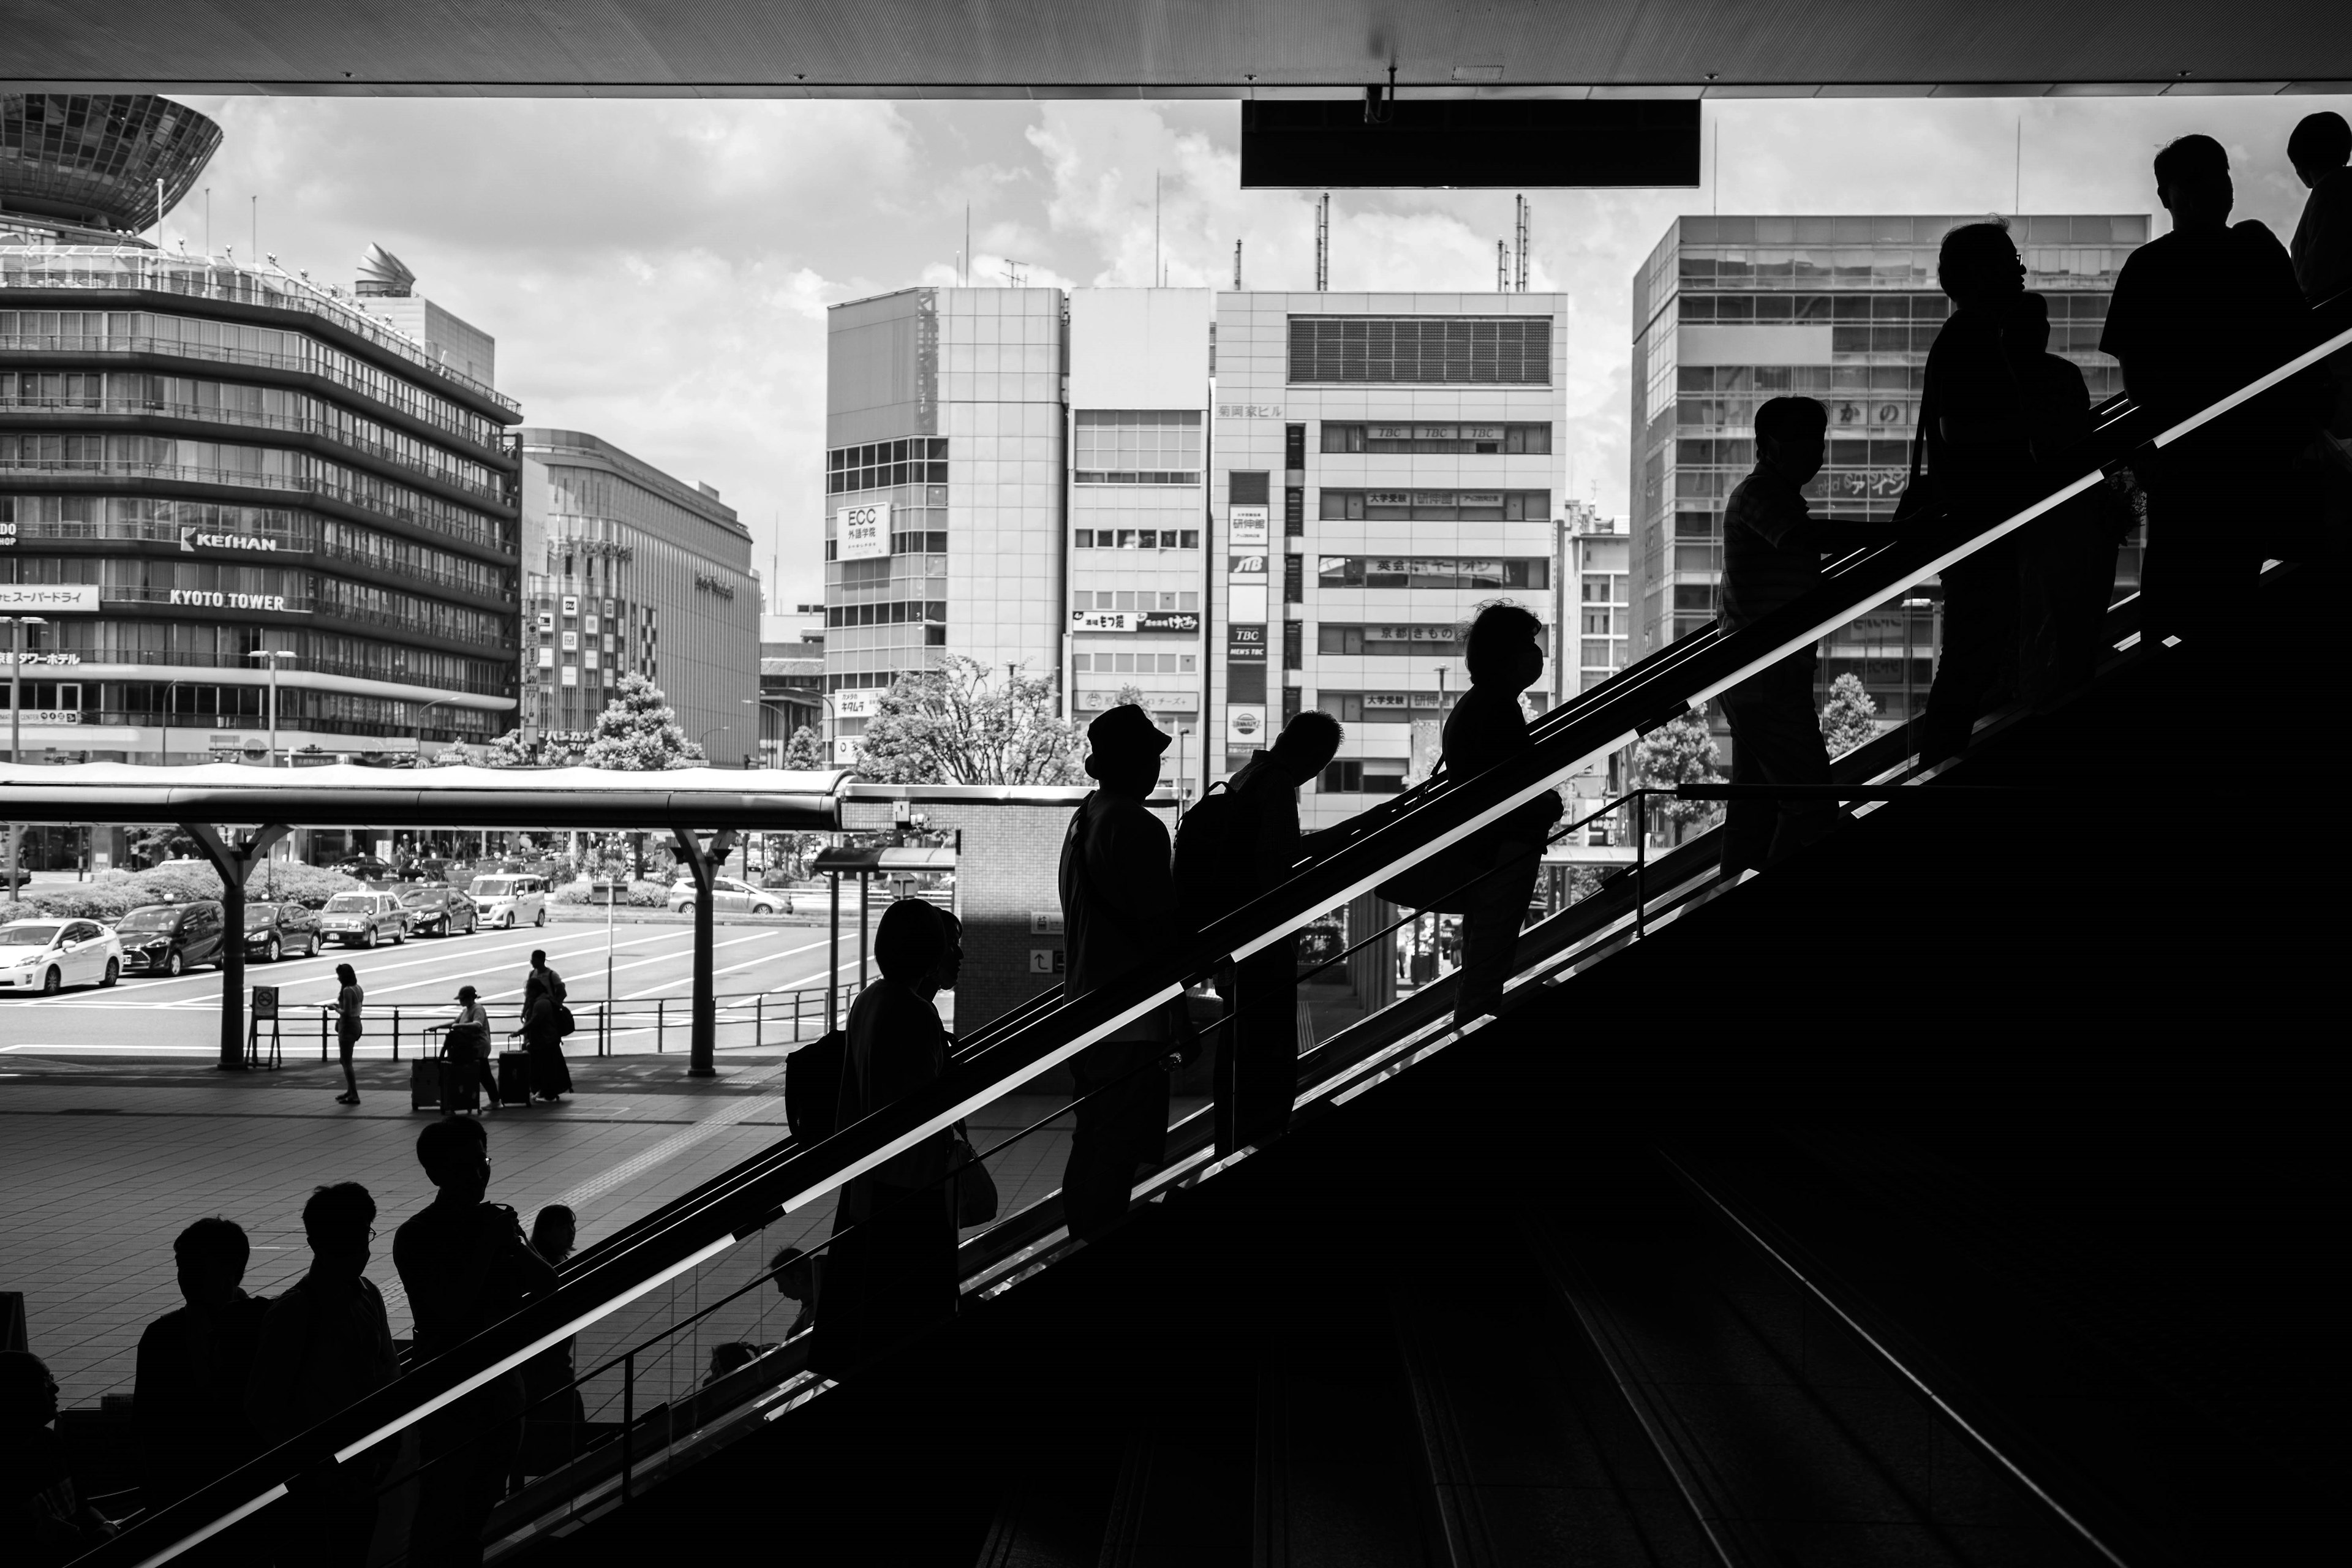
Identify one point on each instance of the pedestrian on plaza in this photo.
(1980, 459)
(325, 1343)
(553, 1414)
(348, 1002)
(1772, 554)
(1257, 1074)
(43, 1519)
(2196, 314)
(466, 1051)
(1503, 653)
(893, 1268)
(187, 1398)
(1118, 914)
(542, 1030)
(464, 1264)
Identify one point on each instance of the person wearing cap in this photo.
(466, 1048)
(1119, 912)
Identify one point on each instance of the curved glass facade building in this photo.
(92, 159)
(224, 462)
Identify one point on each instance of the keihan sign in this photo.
(862, 533)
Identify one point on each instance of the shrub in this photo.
(116, 893)
(640, 894)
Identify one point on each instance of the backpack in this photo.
(813, 1087)
(564, 1023)
(1214, 873)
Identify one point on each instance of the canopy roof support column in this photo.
(701, 863)
(234, 864)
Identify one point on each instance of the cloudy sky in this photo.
(657, 272)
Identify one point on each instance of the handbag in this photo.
(975, 1189)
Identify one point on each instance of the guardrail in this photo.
(757, 1019)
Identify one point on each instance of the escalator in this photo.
(1475, 1273)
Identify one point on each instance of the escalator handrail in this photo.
(1445, 812)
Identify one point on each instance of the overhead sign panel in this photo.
(1470, 143)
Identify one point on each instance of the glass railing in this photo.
(673, 1323)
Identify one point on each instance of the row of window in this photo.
(1139, 539)
(1143, 601)
(1136, 663)
(1136, 477)
(1129, 441)
(187, 702)
(237, 343)
(1444, 437)
(203, 584)
(1435, 351)
(1386, 707)
(1432, 572)
(890, 614)
(1372, 775)
(910, 460)
(1436, 506)
(207, 646)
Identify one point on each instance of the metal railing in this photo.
(681, 1238)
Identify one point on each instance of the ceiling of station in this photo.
(1177, 48)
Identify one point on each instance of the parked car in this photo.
(508, 901)
(49, 955)
(436, 909)
(168, 939)
(362, 919)
(366, 868)
(272, 930)
(727, 894)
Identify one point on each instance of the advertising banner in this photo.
(860, 703)
(47, 598)
(862, 533)
(1245, 726)
(1245, 525)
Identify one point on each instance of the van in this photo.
(507, 902)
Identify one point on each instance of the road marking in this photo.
(688, 978)
(668, 1149)
(328, 958)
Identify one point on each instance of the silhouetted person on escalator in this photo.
(1119, 913)
(2196, 314)
(2321, 148)
(891, 1271)
(1503, 653)
(194, 1363)
(2066, 557)
(1772, 555)
(1981, 461)
(1257, 1053)
(326, 1344)
(464, 1264)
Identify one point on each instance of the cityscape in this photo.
(694, 837)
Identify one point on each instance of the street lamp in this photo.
(273, 655)
(780, 704)
(421, 712)
(714, 730)
(17, 624)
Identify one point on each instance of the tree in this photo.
(1852, 717)
(951, 726)
(511, 750)
(638, 732)
(804, 752)
(1678, 752)
(448, 757)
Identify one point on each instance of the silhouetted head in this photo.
(466, 994)
(339, 1222)
(1123, 750)
(795, 1273)
(1306, 746)
(345, 973)
(210, 1255)
(28, 1395)
(1977, 265)
(538, 958)
(1504, 648)
(554, 1232)
(455, 1154)
(2192, 181)
(909, 942)
(950, 963)
(1791, 437)
(2321, 144)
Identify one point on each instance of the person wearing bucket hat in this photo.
(1119, 911)
(466, 1048)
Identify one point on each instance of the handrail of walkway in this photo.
(1427, 823)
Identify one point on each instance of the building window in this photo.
(1432, 572)
(1437, 506)
(1372, 775)
(1294, 448)
(1137, 447)
(1450, 351)
(1246, 489)
(1294, 579)
(1385, 707)
(1294, 644)
(1139, 539)
(914, 460)
(1495, 440)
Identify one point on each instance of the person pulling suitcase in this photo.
(465, 1055)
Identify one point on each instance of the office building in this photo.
(631, 570)
(1383, 465)
(227, 469)
(791, 678)
(1138, 522)
(1729, 312)
(944, 479)
(1591, 599)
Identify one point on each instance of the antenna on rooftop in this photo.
(1012, 273)
(1521, 239)
(1502, 267)
(1237, 267)
(1323, 244)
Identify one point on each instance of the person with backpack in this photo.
(1119, 913)
(1236, 844)
(545, 1021)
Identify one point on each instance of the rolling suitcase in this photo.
(461, 1086)
(514, 1077)
(424, 1086)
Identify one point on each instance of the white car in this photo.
(508, 901)
(49, 955)
(727, 894)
